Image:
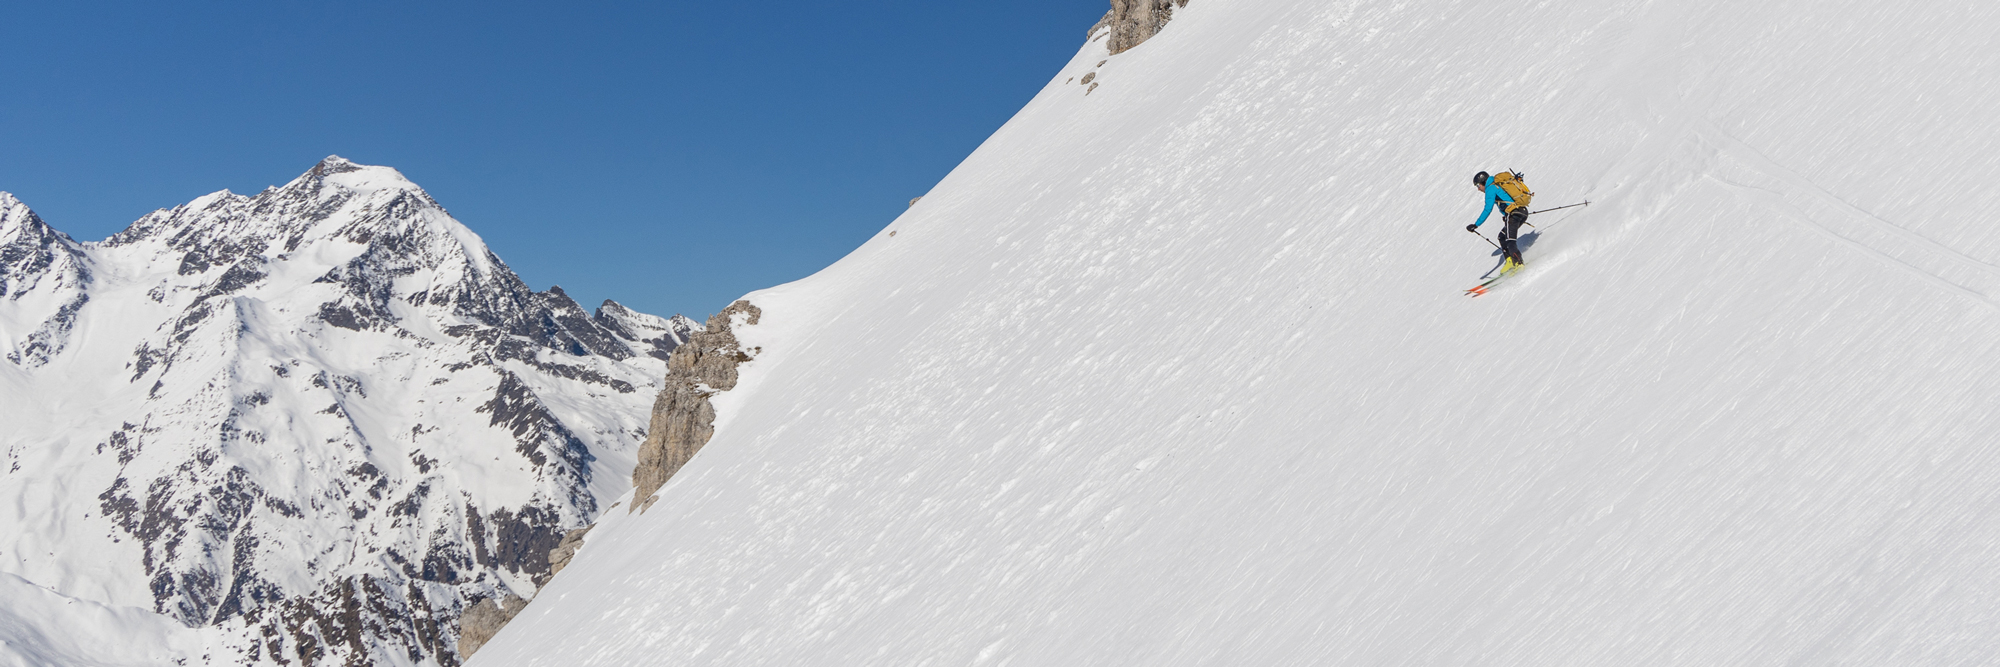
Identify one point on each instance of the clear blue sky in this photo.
(669, 155)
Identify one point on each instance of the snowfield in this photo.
(1179, 371)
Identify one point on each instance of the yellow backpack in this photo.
(1516, 187)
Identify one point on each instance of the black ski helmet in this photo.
(1479, 180)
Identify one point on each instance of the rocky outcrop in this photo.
(1132, 22)
(484, 620)
(682, 422)
(571, 542)
(683, 419)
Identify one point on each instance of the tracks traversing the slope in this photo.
(1818, 210)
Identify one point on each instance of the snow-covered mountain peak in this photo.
(43, 275)
(334, 164)
(617, 312)
(650, 335)
(361, 200)
(349, 176)
(17, 220)
(364, 227)
(11, 208)
(324, 415)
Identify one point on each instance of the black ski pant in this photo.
(1511, 232)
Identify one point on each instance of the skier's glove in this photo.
(1474, 228)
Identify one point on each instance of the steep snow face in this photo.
(1180, 372)
(325, 417)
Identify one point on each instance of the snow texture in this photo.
(40, 628)
(316, 423)
(1180, 373)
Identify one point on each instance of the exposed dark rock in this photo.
(484, 621)
(521, 540)
(49, 339)
(537, 434)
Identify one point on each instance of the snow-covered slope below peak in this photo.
(325, 417)
(43, 628)
(1178, 371)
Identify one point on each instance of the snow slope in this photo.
(317, 423)
(1179, 372)
(41, 627)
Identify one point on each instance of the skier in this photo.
(1509, 193)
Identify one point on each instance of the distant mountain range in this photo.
(315, 424)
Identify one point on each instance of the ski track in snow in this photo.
(1800, 197)
(1793, 197)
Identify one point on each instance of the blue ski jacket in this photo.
(1494, 195)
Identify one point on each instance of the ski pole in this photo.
(1558, 208)
(1488, 241)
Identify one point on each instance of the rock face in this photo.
(560, 556)
(1132, 22)
(484, 620)
(683, 419)
(321, 420)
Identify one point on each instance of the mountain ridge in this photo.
(315, 423)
